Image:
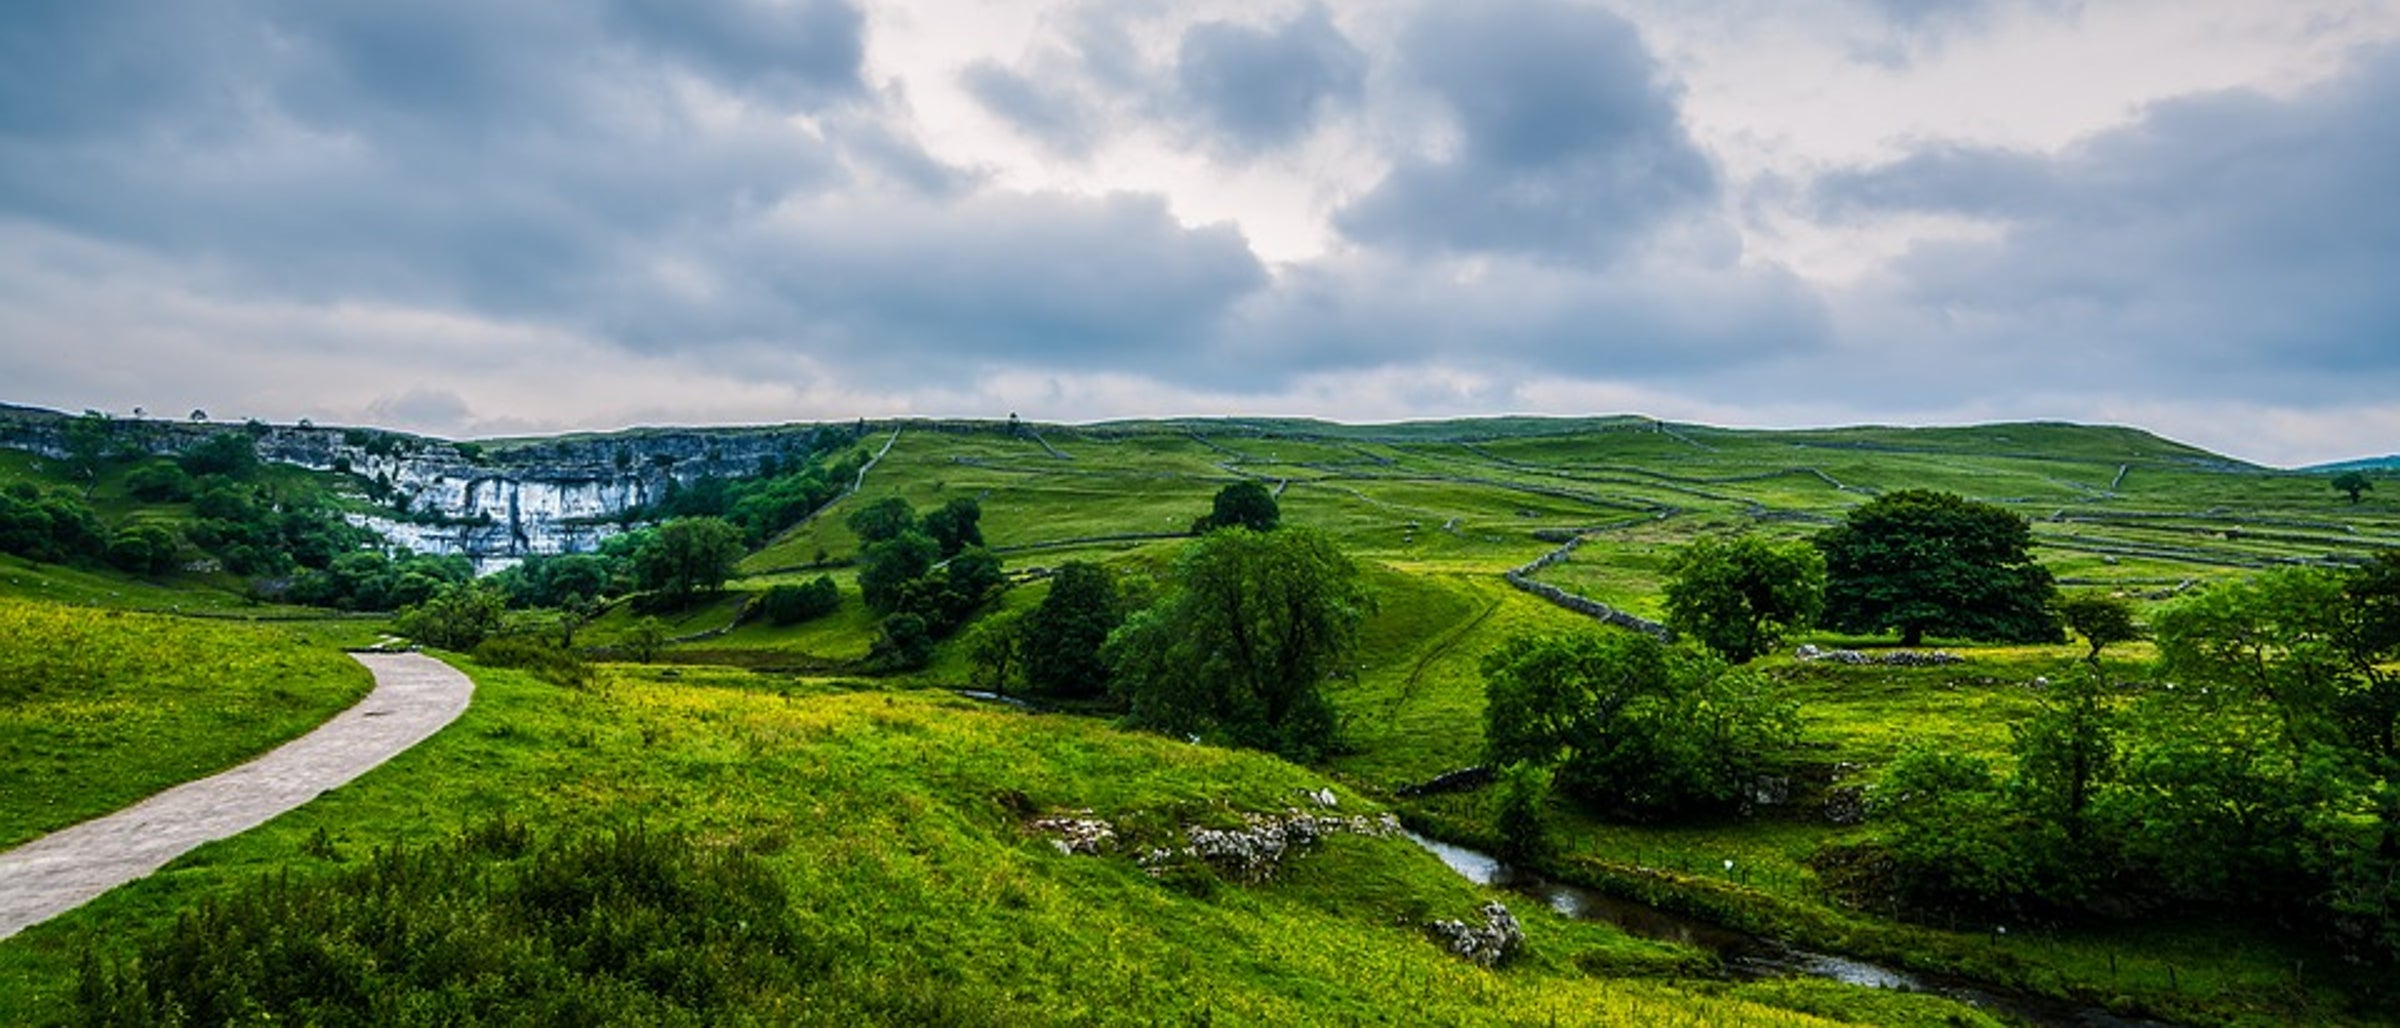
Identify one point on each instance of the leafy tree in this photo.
(458, 617)
(1632, 725)
(888, 566)
(789, 604)
(1931, 562)
(1524, 817)
(2353, 483)
(882, 520)
(1949, 829)
(2100, 619)
(88, 437)
(159, 482)
(144, 549)
(956, 525)
(904, 644)
(1063, 637)
(1244, 504)
(688, 556)
(994, 649)
(231, 454)
(647, 637)
(1243, 640)
(1740, 597)
(2066, 751)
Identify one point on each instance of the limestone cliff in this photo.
(496, 501)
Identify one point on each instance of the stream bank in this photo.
(1748, 956)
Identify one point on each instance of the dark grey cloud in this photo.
(1054, 113)
(2230, 242)
(1256, 89)
(920, 293)
(1570, 142)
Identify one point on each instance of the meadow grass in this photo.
(897, 824)
(100, 708)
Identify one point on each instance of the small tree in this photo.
(956, 525)
(457, 617)
(687, 556)
(1063, 636)
(646, 638)
(883, 519)
(1632, 725)
(1740, 597)
(2353, 483)
(1524, 816)
(789, 604)
(1243, 641)
(1931, 562)
(1244, 504)
(888, 567)
(2100, 619)
(994, 647)
(904, 644)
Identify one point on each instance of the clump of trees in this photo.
(791, 604)
(1632, 726)
(926, 575)
(785, 490)
(1239, 646)
(1931, 563)
(2259, 770)
(1739, 597)
(685, 559)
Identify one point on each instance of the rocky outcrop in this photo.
(1496, 939)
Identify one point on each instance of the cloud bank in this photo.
(471, 218)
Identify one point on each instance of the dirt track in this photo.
(414, 697)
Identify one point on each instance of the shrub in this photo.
(495, 926)
(554, 664)
(792, 604)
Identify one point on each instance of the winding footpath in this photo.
(414, 696)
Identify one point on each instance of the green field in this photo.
(99, 708)
(895, 814)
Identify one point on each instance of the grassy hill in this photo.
(898, 817)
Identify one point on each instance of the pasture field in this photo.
(99, 708)
(895, 815)
(894, 830)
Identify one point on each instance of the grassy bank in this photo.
(896, 826)
(99, 708)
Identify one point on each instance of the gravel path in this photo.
(414, 697)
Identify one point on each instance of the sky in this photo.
(472, 219)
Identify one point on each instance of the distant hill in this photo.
(2390, 463)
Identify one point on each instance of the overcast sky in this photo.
(473, 218)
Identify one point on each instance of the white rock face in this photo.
(497, 503)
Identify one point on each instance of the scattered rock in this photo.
(1895, 658)
(1486, 945)
(1845, 805)
(1085, 834)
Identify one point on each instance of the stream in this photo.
(1749, 956)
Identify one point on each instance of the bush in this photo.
(792, 604)
(159, 482)
(1632, 726)
(554, 664)
(495, 926)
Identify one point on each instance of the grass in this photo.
(884, 809)
(100, 708)
(896, 825)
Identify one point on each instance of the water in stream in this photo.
(1747, 955)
